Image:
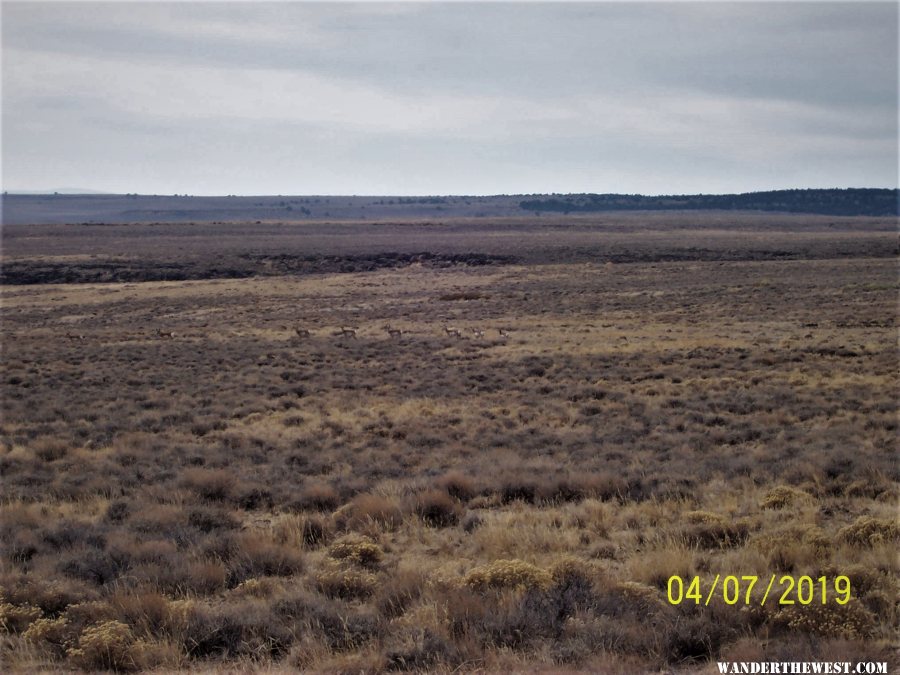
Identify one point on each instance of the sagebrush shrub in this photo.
(458, 485)
(316, 531)
(508, 574)
(55, 634)
(518, 488)
(437, 508)
(363, 552)
(210, 484)
(782, 496)
(346, 583)
(367, 511)
(399, 591)
(851, 621)
(50, 449)
(694, 637)
(869, 531)
(105, 646)
(318, 497)
(145, 611)
(420, 650)
(715, 534)
(257, 556)
(205, 577)
(242, 628)
(17, 618)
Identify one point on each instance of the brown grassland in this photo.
(188, 483)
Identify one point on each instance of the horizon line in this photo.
(76, 192)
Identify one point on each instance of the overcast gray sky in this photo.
(417, 98)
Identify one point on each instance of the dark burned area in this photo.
(30, 272)
(236, 267)
(119, 269)
(119, 252)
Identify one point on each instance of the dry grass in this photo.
(239, 497)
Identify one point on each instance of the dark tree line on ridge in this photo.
(837, 202)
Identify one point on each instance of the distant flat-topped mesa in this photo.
(59, 208)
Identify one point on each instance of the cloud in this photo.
(580, 95)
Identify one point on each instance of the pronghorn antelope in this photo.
(346, 331)
(73, 336)
(165, 334)
(303, 332)
(503, 333)
(452, 332)
(393, 332)
(479, 334)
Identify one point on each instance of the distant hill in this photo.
(835, 202)
(57, 191)
(20, 209)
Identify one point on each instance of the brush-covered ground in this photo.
(234, 496)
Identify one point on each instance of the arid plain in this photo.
(527, 427)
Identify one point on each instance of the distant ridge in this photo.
(56, 191)
(836, 202)
(134, 208)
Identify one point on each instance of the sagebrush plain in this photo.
(459, 445)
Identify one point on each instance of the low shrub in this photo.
(349, 630)
(256, 556)
(205, 577)
(369, 510)
(421, 650)
(437, 508)
(782, 496)
(715, 534)
(109, 645)
(458, 485)
(209, 484)
(246, 628)
(869, 531)
(17, 618)
(357, 550)
(398, 592)
(316, 531)
(517, 489)
(471, 522)
(508, 574)
(146, 612)
(257, 587)
(50, 449)
(207, 519)
(694, 637)
(704, 518)
(851, 621)
(96, 567)
(118, 511)
(318, 497)
(345, 583)
(56, 635)
(252, 497)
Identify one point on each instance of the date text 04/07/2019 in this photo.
(747, 590)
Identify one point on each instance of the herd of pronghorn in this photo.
(160, 333)
(350, 332)
(344, 332)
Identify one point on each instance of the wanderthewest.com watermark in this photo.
(804, 667)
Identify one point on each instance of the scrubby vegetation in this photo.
(848, 202)
(239, 495)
